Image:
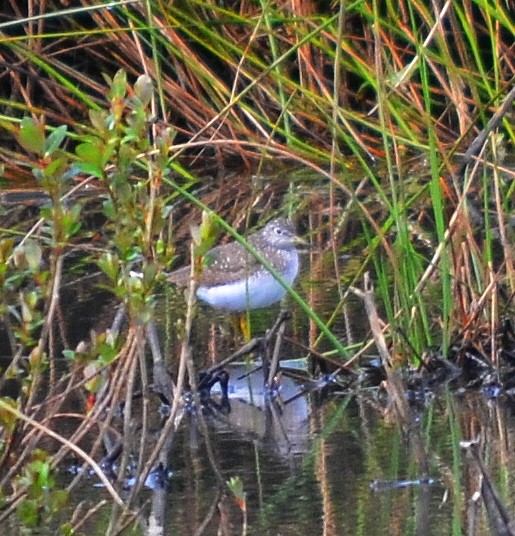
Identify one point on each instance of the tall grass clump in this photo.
(381, 101)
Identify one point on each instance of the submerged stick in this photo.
(500, 521)
(393, 383)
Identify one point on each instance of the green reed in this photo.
(378, 85)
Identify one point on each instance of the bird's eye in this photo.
(278, 231)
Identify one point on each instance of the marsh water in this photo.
(312, 460)
(315, 462)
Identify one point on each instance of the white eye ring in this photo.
(278, 231)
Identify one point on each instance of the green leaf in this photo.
(107, 353)
(133, 253)
(55, 168)
(6, 248)
(119, 86)
(109, 209)
(55, 139)
(8, 418)
(149, 275)
(43, 471)
(33, 254)
(89, 169)
(98, 120)
(28, 512)
(69, 354)
(235, 484)
(31, 136)
(109, 265)
(90, 151)
(205, 237)
(93, 156)
(70, 222)
(143, 89)
(66, 529)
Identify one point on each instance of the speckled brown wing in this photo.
(222, 264)
(227, 264)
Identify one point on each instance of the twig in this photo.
(71, 446)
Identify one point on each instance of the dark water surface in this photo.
(310, 463)
(332, 464)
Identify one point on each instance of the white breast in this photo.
(255, 293)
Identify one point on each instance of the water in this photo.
(327, 488)
(310, 463)
(338, 464)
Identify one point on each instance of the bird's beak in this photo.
(301, 242)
